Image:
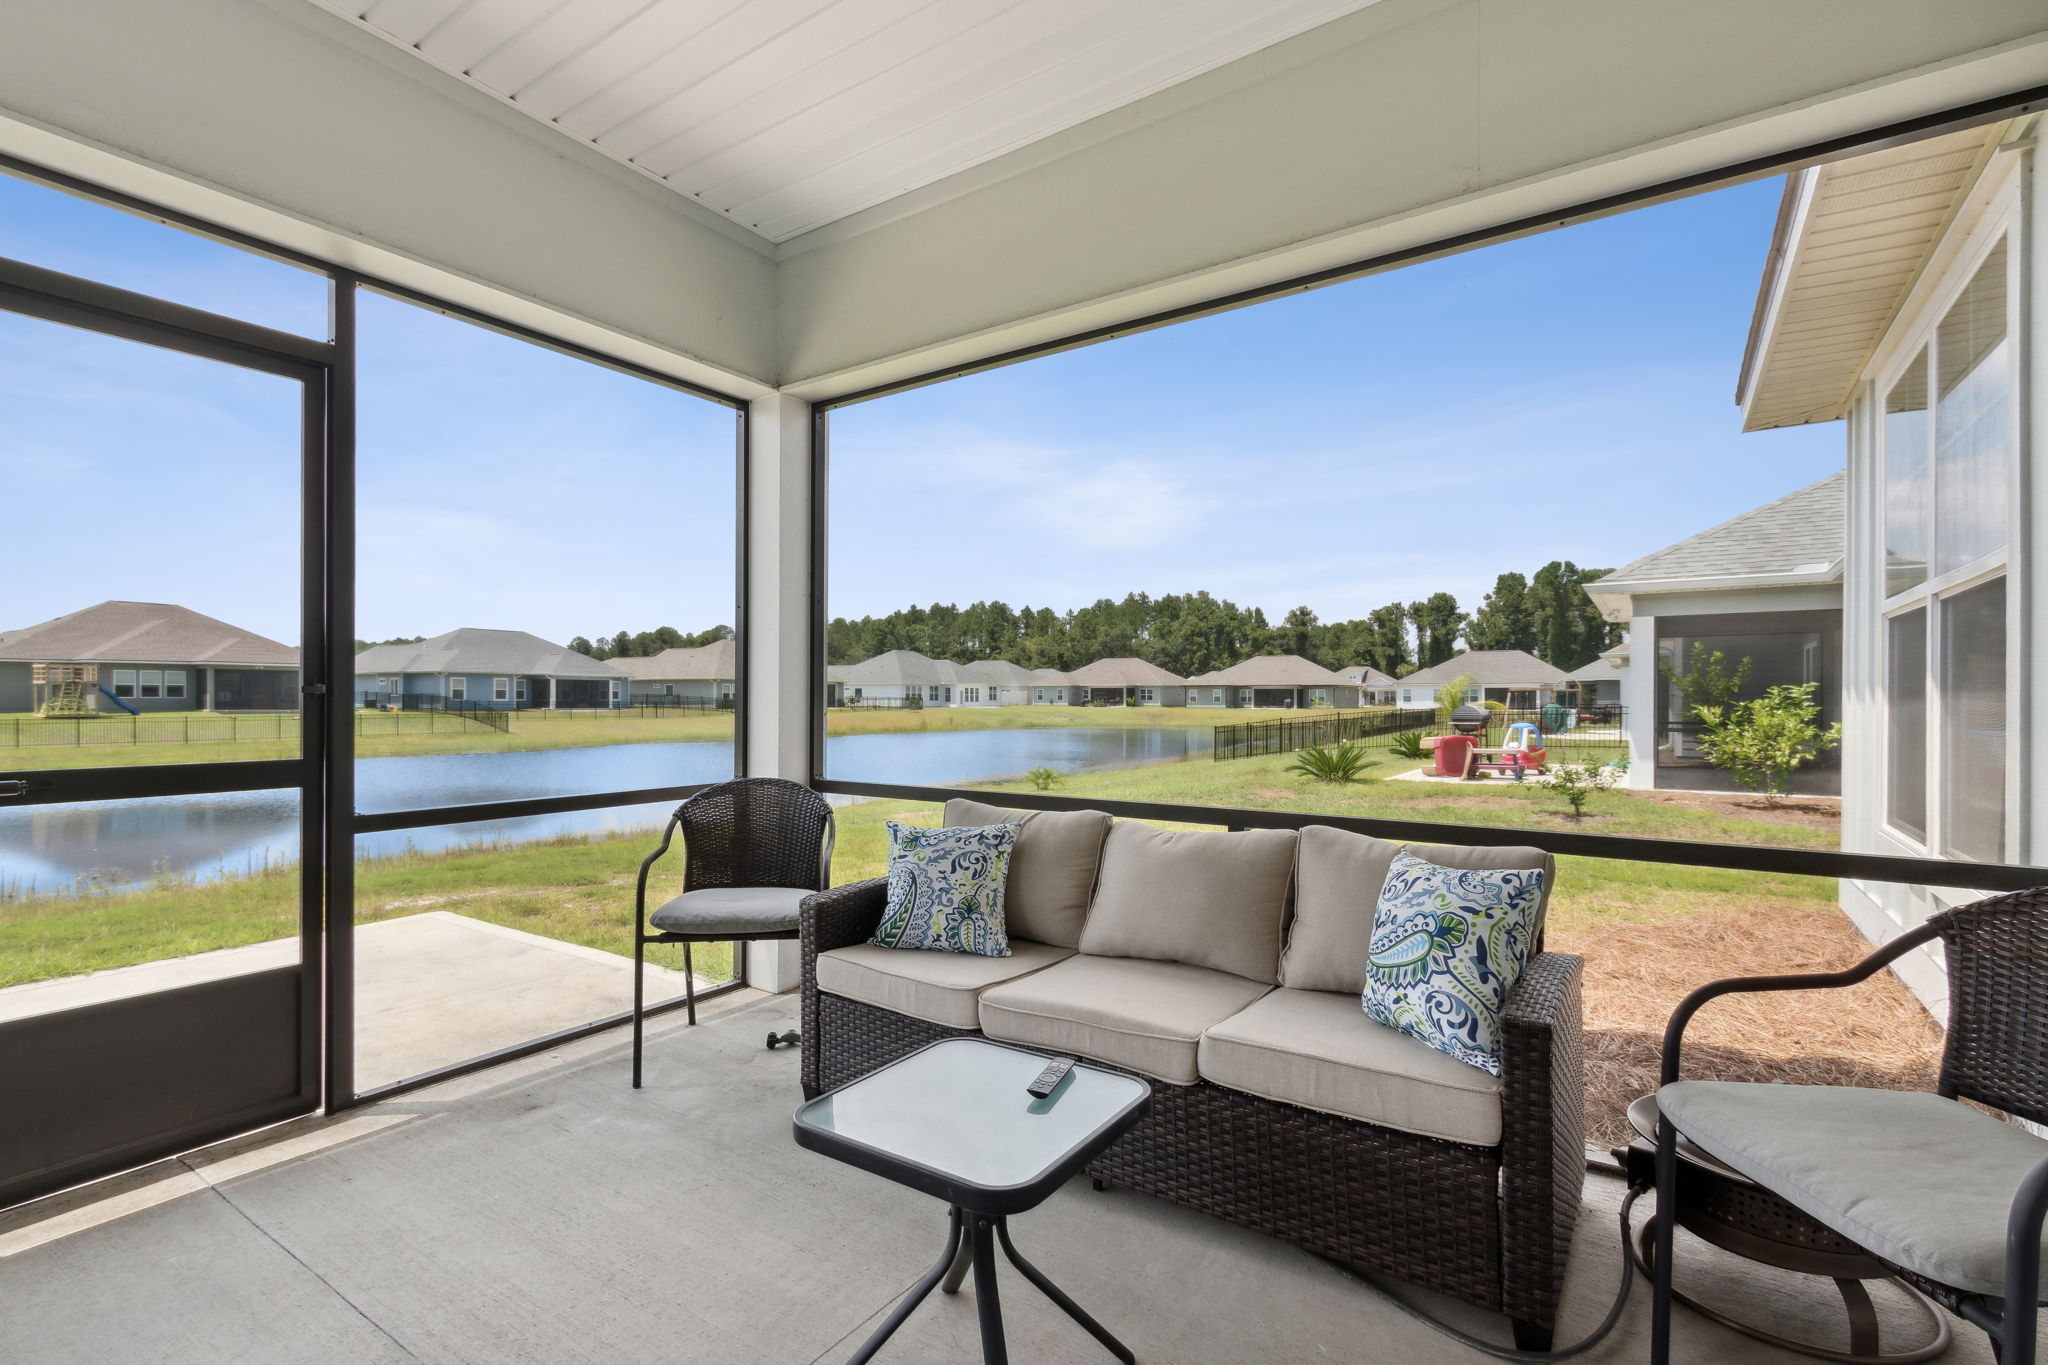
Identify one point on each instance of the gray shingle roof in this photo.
(1600, 670)
(1122, 673)
(1488, 668)
(1365, 675)
(998, 672)
(900, 667)
(472, 650)
(714, 661)
(141, 632)
(1801, 536)
(1273, 670)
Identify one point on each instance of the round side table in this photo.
(1726, 1209)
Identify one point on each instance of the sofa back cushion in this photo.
(1052, 869)
(1337, 882)
(1209, 900)
(1338, 878)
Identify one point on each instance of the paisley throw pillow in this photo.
(946, 889)
(1448, 944)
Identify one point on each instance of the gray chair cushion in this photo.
(731, 910)
(1052, 870)
(940, 988)
(1143, 1016)
(1923, 1182)
(1318, 1050)
(1209, 900)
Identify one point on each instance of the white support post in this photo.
(775, 629)
(1640, 682)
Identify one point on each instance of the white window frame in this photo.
(149, 684)
(1147, 696)
(1943, 283)
(124, 683)
(174, 684)
(612, 693)
(501, 689)
(458, 688)
(519, 688)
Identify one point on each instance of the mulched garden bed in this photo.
(1875, 1034)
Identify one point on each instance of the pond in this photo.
(118, 844)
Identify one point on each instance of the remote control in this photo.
(1055, 1071)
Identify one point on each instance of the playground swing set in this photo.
(67, 690)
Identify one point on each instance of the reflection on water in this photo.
(119, 844)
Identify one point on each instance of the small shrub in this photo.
(1331, 762)
(1576, 782)
(1762, 743)
(1408, 744)
(1043, 778)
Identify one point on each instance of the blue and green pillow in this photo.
(1448, 944)
(946, 889)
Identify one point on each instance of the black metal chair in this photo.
(1948, 1196)
(753, 848)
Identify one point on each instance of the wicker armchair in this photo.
(753, 848)
(1948, 1196)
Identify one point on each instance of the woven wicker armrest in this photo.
(841, 917)
(1543, 1133)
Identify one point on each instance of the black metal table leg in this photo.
(988, 1304)
(1058, 1296)
(917, 1294)
(963, 1260)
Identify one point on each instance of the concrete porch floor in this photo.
(543, 1211)
(432, 989)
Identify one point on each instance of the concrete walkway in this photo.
(543, 1211)
(432, 989)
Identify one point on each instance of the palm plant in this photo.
(1331, 762)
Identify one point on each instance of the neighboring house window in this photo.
(174, 684)
(458, 689)
(1244, 696)
(931, 692)
(1474, 694)
(612, 694)
(1948, 462)
(152, 683)
(1146, 696)
(668, 689)
(970, 694)
(124, 682)
(522, 689)
(501, 689)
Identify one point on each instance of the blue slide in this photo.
(117, 701)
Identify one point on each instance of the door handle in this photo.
(10, 786)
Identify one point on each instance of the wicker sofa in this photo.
(1225, 970)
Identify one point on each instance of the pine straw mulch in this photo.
(1874, 1034)
(1823, 813)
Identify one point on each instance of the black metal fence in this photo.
(1249, 739)
(171, 727)
(1577, 730)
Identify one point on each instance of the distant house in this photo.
(1049, 687)
(493, 669)
(1515, 678)
(1283, 680)
(152, 656)
(1374, 687)
(704, 675)
(995, 682)
(1765, 586)
(1600, 681)
(1132, 681)
(897, 678)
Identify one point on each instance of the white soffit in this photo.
(1850, 254)
(784, 115)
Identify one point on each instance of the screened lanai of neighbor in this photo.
(386, 975)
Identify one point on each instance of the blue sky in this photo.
(1566, 396)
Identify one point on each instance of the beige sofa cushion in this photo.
(1337, 881)
(1318, 1050)
(1144, 1016)
(940, 988)
(1208, 900)
(1052, 869)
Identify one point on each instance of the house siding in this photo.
(16, 692)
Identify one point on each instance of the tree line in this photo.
(1546, 614)
(647, 643)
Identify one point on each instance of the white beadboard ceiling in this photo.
(784, 115)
